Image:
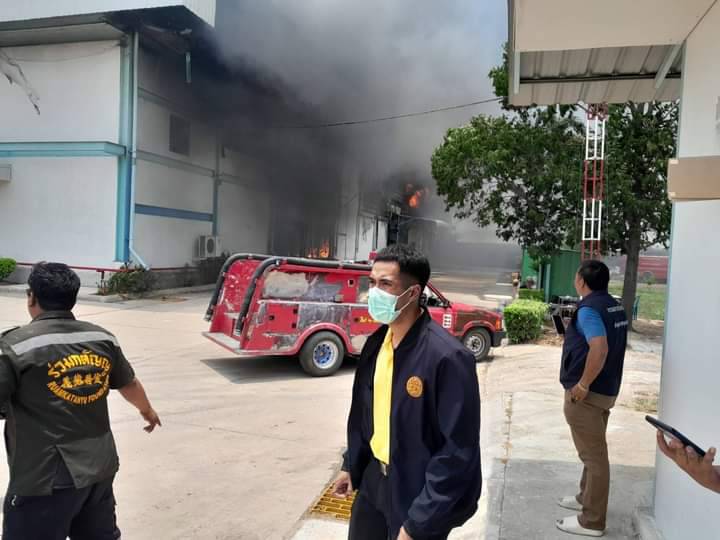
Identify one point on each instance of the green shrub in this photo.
(7, 267)
(532, 294)
(131, 280)
(524, 320)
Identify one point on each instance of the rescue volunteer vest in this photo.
(576, 348)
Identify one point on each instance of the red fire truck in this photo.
(317, 310)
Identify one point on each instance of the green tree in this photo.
(522, 172)
(641, 138)
(518, 172)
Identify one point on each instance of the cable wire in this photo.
(393, 117)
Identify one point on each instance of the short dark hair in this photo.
(595, 274)
(413, 264)
(54, 285)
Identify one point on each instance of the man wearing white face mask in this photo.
(414, 424)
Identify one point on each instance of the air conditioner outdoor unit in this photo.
(208, 246)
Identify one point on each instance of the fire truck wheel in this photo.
(322, 354)
(478, 341)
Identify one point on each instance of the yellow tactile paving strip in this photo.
(329, 506)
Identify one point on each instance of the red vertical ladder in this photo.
(593, 181)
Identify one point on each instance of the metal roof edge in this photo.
(512, 60)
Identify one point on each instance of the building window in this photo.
(179, 135)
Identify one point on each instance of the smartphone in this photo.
(675, 434)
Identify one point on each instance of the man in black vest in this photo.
(591, 372)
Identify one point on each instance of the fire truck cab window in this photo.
(310, 287)
(363, 290)
(432, 299)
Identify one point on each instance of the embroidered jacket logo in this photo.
(80, 379)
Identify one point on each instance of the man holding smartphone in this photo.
(700, 469)
(591, 372)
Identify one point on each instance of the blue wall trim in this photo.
(150, 97)
(175, 163)
(161, 211)
(61, 149)
(242, 182)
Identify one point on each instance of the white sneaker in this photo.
(571, 525)
(570, 502)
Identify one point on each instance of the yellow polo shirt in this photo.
(382, 399)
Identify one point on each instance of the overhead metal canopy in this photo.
(569, 51)
(607, 75)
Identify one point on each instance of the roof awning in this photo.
(569, 51)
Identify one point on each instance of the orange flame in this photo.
(416, 199)
(323, 252)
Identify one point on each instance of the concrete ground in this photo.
(529, 460)
(247, 445)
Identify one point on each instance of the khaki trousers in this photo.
(588, 420)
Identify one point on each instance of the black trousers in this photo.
(370, 516)
(81, 514)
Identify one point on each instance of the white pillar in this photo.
(689, 398)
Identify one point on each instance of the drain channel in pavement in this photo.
(329, 506)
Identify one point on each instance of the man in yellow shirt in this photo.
(414, 423)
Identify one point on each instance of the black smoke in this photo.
(345, 60)
(330, 61)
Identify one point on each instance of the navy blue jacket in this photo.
(434, 474)
(576, 348)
